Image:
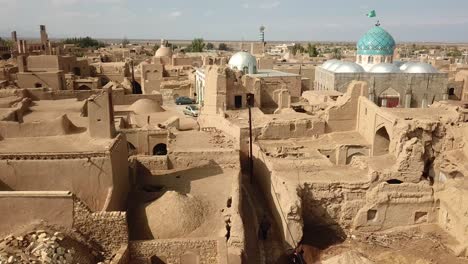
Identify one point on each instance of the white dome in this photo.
(328, 63)
(163, 51)
(242, 60)
(385, 68)
(405, 65)
(349, 67)
(421, 68)
(335, 65)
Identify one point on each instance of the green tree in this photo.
(222, 46)
(209, 46)
(297, 48)
(312, 50)
(336, 53)
(198, 45)
(6, 42)
(86, 42)
(125, 42)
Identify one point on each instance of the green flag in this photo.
(372, 14)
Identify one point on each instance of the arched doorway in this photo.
(350, 157)
(381, 142)
(84, 87)
(389, 98)
(160, 149)
(136, 88)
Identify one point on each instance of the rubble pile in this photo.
(35, 247)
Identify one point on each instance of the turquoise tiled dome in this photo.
(376, 41)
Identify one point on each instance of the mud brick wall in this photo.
(109, 230)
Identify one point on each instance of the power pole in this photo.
(250, 103)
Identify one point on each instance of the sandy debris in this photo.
(35, 247)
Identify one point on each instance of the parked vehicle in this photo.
(183, 100)
(191, 110)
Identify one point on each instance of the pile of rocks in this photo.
(35, 247)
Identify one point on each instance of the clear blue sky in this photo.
(406, 20)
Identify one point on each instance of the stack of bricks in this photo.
(35, 247)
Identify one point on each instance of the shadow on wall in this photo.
(381, 142)
(320, 229)
(4, 187)
(179, 181)
(262, 178)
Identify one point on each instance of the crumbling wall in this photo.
(451, 204)
(282, 199)
(292, 129)
(342, 115)
(109, 230)
(179, 251)
(394, 205)
(236, 241)
(370, 118)
(331, 204)
(191, 159)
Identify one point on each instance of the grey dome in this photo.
(328, 63)
(335, 65)
(385, 68)
(421, 68)
(242, 60)
(405, 65)
(349, 67)
(398, 63)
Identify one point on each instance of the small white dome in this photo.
(385, 68)
(328, 63)
(335, 65)
(163, 51)
(242, 60)
(421, 68)
(349, 67)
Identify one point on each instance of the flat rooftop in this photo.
(422, 113)
(46, 110)
(273, 73)
(76, 143)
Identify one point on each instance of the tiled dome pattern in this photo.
(376, 41)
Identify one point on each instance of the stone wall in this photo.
(188, 159)
(109, 230)
(283, 129)
(179, 251)
(434, 85)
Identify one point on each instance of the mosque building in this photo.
(391, 83)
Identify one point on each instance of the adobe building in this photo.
(391, 83)
(222, 88)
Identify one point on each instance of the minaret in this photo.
(44, 39)
(262, 34)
